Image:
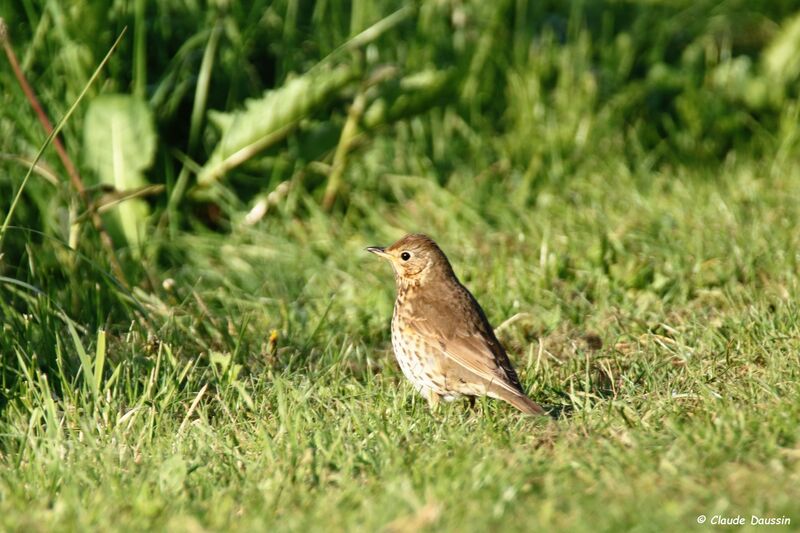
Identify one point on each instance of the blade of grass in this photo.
(125, 291)
(99, 361)
(140, 49)
(198, 110)
(203, 81)
(86, 363)
(192, 407)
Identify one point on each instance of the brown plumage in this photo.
(442, 340)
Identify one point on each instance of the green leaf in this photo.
(270, 118)
(120, 143)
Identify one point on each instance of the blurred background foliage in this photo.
(292, 116)
(539, 87)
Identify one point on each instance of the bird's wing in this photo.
(477, 351)
(488, 362)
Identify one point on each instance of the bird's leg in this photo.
(472, 402)
(433, 400)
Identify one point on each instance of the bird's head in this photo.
(414, 258)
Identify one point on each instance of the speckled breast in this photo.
(418, 360)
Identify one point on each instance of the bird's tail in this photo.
(525, 404)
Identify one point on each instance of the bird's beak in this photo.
(377, 250)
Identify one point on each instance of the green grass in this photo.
(689, 407)
(632, 226)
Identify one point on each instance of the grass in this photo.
(631, 231)
(690, 406)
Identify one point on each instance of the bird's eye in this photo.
(405, 256)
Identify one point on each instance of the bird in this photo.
(441, 337)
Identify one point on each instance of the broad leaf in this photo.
(269, 118)
(119, 145)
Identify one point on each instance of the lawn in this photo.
(617, 185)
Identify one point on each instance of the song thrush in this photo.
(442, 340)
